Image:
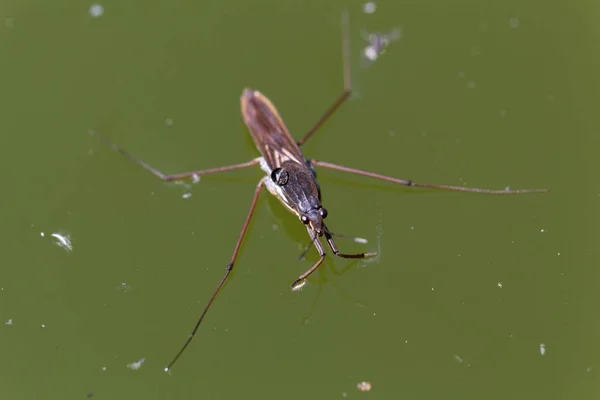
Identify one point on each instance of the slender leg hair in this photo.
(297, 284)
(406, 182)
(174, 177)
(229, 268)
(347, 84)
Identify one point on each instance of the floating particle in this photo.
(137, 364)
(364, 386)
(371, 53)
(370, 7)
(169, 121)
(186, 195)
(42, 234)
(542, 348)
(125, 287)
(63, 241)
(361, 240)
(96, 10)
(195, 178)
(377, 44)
(514, 22)
(9, 322)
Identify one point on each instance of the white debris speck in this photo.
(195, 178)
(364, 386)
(458, 358)
(361, 240)
(63, 241)
(137, 364)
(42, 234)
(169, 121)
(186, 195)
(500, 284)
(542, 348)
(542, 230)
(299, 286)
(344, 394)
(514, 22)
(104, 368)
(9, 322)
(96, 10)
(371, 53)
(124, 286)
(43, 325)
(378, 43)
(558, 254)
(370, 7)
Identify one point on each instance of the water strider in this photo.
(290, 176)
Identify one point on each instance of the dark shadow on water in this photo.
(323, 279)
(290, 226)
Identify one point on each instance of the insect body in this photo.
(290, 177)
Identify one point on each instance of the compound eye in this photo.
(280, 176)
(304, 219)
(323, 213)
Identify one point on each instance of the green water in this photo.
(467, 289)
